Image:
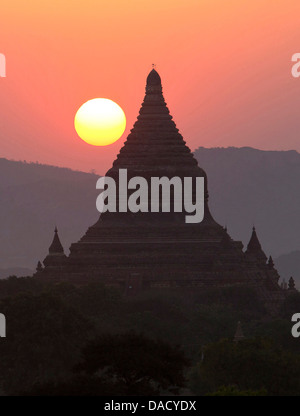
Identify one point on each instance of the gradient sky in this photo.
(225, 67)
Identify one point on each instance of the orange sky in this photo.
(225, 67)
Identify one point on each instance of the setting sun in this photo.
(100, 122)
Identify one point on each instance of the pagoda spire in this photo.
(153, 84)
(56, 246)
(254, 248)
(155, 147)
(154, 144)
(56, 255)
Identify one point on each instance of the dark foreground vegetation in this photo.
(92, 340)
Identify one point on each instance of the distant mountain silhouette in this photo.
(247, 186)
(33, 200)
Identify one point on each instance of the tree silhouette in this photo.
(249, 365)
(134, 364)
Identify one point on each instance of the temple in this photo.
(136, 251)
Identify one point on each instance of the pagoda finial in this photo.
(56, 246)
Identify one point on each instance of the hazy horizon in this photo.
(96, 172)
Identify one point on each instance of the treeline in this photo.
(92, 340)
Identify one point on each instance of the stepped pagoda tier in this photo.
(146, 249)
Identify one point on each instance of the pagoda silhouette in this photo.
(137, 251)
